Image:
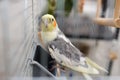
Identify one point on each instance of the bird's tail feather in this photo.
(87, 77)
(95, 65)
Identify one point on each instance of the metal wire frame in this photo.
(41, 67)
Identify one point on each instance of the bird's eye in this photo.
(52, 19)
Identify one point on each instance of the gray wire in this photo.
(40, 66)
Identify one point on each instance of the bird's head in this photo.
(48, 23)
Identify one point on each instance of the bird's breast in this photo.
(48, 36)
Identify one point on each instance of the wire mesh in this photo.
(18, 35)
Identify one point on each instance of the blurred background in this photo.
(91, 25)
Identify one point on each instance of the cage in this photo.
(89, 24)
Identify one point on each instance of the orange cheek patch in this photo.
(54, 23)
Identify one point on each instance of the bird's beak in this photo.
(46, 23)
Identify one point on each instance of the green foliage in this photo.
(68, 7)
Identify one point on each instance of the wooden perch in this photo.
(81, 5)
(113, 56)
(108, 22)
(114, 22)
(98, 8)
(117, 9)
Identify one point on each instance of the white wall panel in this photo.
(17, 36)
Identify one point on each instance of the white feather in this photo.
(63, 37)
(67, 62)
(48, 36)
(87, 76)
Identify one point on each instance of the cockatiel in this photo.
(62, 50)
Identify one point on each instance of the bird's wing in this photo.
(68, 55)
